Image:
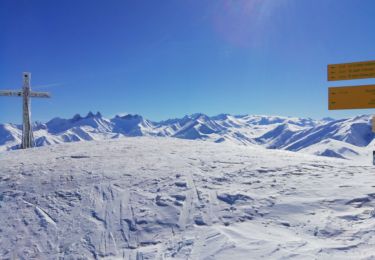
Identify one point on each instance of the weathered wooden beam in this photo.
(10, 93)
(27, 131)
(40, 94)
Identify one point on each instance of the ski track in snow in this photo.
(155, 198)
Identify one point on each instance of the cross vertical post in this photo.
(27, 133)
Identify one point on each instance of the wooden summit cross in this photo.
(26, 94)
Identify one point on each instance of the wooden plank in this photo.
(349, 71)
(40, 94)
(10, 93)
(356, 97)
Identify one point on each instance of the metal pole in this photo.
(27, 134)
(373, 131)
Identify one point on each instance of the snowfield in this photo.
(166, 198)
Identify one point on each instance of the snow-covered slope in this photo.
(166, 198)
(356, 131)
(334, 148)
(288, 133)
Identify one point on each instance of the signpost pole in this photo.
(373, 130)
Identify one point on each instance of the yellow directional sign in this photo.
(355, 70)
(358, 97)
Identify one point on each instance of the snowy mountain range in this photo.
(345, 138)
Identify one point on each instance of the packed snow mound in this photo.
(167, 198)
(275, 132)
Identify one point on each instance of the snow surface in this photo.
(167, 198)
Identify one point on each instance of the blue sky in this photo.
(167, 58)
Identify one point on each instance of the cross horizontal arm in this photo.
(40, 94)
(11, 93)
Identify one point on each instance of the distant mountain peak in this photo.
(91, 115)
(220, 117)
(76, 117)
(130, 117)
(328, 119)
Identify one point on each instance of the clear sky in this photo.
(167, 58)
